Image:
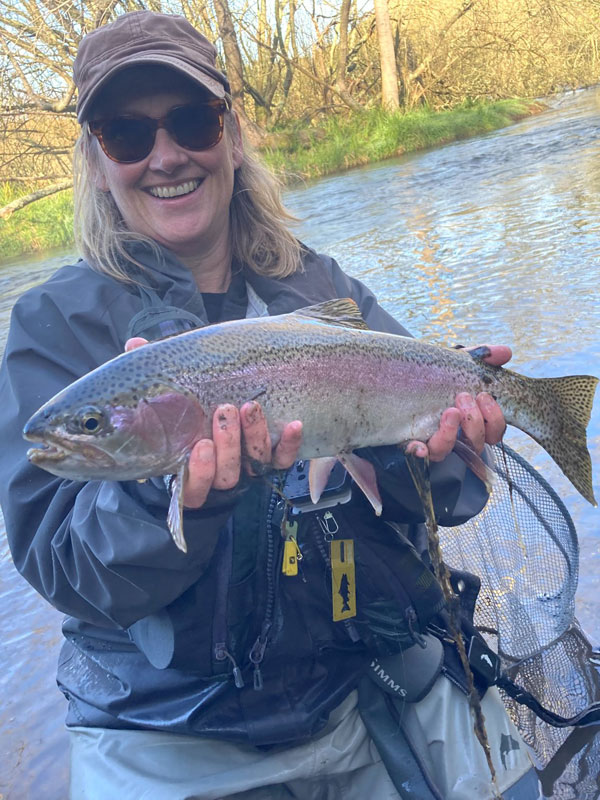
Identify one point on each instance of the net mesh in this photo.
(523, 546)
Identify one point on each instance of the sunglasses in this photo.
(130, 138)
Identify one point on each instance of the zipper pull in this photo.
(221, 653)
(258, 680)
(291, 550)
(256, 656)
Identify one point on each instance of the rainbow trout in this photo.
(140, 414)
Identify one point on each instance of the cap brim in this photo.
(195, 74)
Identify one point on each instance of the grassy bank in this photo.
(335, 145)
(375, 135)
(39, 226)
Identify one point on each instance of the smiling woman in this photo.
(223, 670)
(167, 166)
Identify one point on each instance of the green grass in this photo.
(376, 135)
(295, 154)
(43, 225)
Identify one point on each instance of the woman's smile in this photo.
(170, 191)
(176, 196)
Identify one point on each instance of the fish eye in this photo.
(91, 420)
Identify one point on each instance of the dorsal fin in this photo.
(343, 312)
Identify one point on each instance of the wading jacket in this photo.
(219, 641)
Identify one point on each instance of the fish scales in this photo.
(304, 369)
(140, 414)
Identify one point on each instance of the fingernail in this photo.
(465, 400)
(225, 415)
(252, 412)
(204, 450)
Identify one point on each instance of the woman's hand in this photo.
(239, 439)
(480, 418)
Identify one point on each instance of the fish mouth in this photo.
(57, 450)
(46, 452)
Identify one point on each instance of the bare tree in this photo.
(390, 98)
(292, 60)
(235, 68)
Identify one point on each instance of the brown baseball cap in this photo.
(144, 37)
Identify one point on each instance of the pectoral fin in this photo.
(175, 515)
(363, 473)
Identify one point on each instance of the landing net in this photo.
(524, 548)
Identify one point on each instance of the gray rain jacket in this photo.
(155, 637)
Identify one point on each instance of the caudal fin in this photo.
(557, 419)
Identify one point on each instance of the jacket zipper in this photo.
(257, 653)
(220, 623)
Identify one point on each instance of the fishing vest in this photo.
(231, 592)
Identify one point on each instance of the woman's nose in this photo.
(166, 154)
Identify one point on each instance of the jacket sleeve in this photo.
(457, 493)
(100, 550)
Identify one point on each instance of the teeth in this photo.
(175, 191)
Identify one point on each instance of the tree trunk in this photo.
(235, 70)
(389, 77)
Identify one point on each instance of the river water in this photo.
(494, 239)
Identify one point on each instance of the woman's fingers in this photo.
(137, 341)
(443, 440)
(227, 438)
(286, 452)
(499, 354)
(214, 463)
(471, 420)
(480, 419)
(200, 474)
(217, 463)
(257, 441)
(493, 418)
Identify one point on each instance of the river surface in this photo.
(494, 239)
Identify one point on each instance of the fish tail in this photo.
(556, 416)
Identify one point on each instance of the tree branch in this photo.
(21, 202)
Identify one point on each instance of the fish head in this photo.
(107, 426)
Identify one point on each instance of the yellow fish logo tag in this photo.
(343, 582)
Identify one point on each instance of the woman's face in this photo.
(195, 222)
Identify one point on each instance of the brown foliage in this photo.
(291, 61)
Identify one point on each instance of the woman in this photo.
(219, 672)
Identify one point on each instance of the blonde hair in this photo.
(259, 235)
